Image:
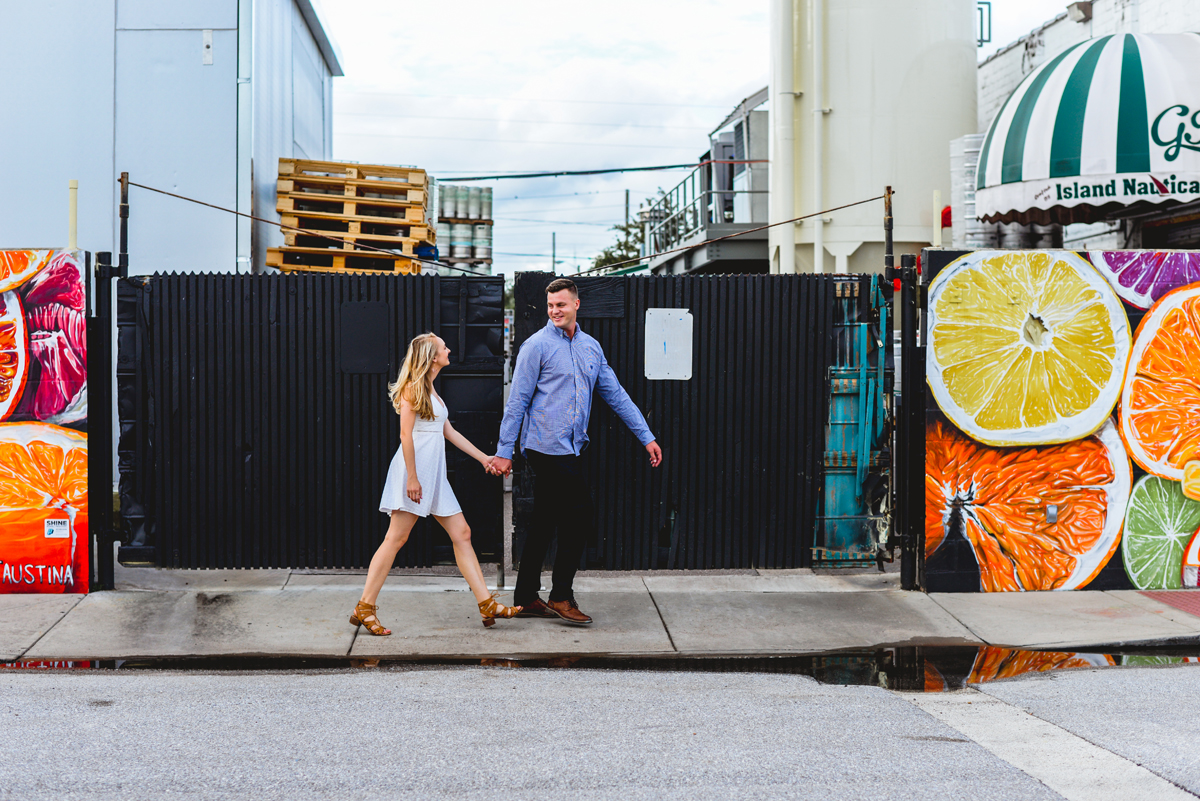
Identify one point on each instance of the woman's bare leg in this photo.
(468, 564)
(397, 534)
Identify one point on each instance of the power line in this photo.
(513, 141)
(546, 256)
(574, 208)
(321, 234)
(536, 122)
(541, 100)
(573, 194)
(548, 222)
(694, 165)
(500, 176)
(735, 235)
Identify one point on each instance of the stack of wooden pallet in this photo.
(341, 217)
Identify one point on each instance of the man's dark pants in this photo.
(562, 503)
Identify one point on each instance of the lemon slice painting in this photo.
(1025, 347)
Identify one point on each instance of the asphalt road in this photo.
(520, 733)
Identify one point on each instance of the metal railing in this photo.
(692, 206)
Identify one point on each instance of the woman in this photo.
(417, 485)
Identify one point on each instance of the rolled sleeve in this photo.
(619, 401)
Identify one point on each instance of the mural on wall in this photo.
(43, 423)
(1055, 436)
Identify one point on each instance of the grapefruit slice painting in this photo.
(14, 353)
(1036, 518)
(1141, 277)
(43, 399)
(1025, 347)
(1160, 401)
(43, 509)
(54, 304)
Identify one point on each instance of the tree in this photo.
(628, 245)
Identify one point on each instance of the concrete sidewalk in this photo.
(185, 613)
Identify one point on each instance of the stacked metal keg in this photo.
(464, 230)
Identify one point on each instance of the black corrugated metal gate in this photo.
(255, 426)
(743, 439)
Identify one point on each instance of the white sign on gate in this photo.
(668, 344)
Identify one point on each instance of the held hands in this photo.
(498, 466)
(655, 454)
(414, 489)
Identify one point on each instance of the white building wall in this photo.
(98, 87)
(892, 111)
(176, 129)
(293, 115)
(59, 122)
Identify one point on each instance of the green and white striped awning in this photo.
(1108, 123)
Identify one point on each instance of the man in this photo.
(550, 403)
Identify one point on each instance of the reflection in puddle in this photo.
(919, 668)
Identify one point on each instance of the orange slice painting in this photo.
(1160, 401)
(18, 266)
(1037, 518)
(43, 509)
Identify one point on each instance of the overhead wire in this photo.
(659, 167)
(532, 122)
(512, 141)
(309, 232)
(350, 93)
(733, 235)
(638, 260)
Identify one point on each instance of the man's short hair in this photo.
(559, 284)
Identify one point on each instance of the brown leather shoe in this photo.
(569, 611)
(536, 608)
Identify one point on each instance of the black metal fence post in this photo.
(910, 443)
(100, 402)
(100, 444)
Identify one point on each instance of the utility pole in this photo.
(554, 252)
(627, 207)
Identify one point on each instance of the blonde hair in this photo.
(413, 384)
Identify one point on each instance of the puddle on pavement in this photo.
(920, 668)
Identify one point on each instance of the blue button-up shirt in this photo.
(551, 397)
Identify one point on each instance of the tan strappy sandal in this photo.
(492, 609)
(364, 615)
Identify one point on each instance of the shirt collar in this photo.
(558, 331)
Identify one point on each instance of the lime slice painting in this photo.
(1159, 523)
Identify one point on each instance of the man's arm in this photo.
(524, 382)
(618, 399)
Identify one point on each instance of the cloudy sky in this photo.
(473, 87)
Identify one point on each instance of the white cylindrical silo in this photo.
(881, 89)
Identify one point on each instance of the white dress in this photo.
(429, 443)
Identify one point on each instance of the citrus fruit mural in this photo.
(1030, 483)
(1025, 347)
(1160, 524)
(1141, 277)
(1037, 518)
(1160, 403)
(43, 423)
